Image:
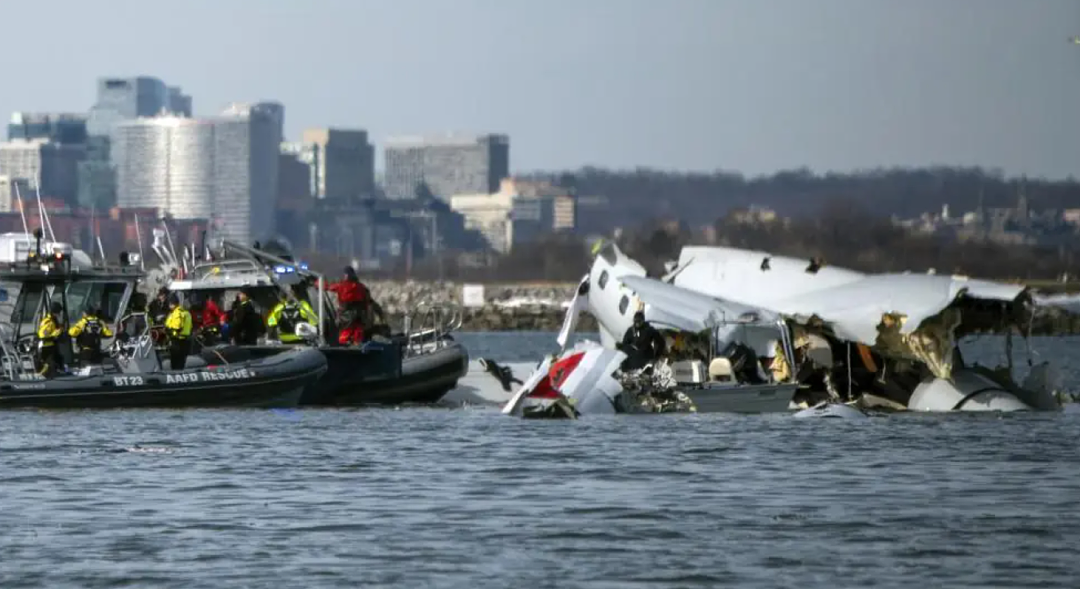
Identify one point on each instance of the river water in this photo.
(469, 498)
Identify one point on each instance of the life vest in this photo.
(289, 317)
(91, 334)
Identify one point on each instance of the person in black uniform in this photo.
(246, 323)
(642, 343)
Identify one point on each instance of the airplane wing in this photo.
(1067, 302)
(677, 307)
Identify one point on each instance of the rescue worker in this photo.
(356, 307)
(48, 332)
(208, 321)
(287, 314)
(642, 343)
(88, 333)
(156, 313)
(246, 323)
(178, 326)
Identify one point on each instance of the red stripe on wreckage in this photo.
(549, 388)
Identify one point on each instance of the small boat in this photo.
(416, 366)
(721, 393)
(273, 382)
(132, 374)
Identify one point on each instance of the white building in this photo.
(517, 213)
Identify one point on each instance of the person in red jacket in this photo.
(354, 300)
(208, 321)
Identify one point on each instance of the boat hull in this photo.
(740, 398)
(376, 374)
(271, 382)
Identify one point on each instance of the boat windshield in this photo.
(108, 297)
(24, 316)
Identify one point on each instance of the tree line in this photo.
(843, 218)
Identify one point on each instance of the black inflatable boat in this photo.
(274, 381)
(418, 368)
(132, 375)
(377, 373)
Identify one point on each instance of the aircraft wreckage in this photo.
(750, 332)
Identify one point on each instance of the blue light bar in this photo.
(279, 269)
(303, 266)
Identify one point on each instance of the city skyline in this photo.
(752, 87)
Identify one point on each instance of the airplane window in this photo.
(602, 281)
(624, 304)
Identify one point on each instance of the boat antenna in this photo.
(138, 236)
(168, 238)
(101, 250)
(22, 213)
(45, 222)
(93, 231)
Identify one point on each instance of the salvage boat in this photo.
(416, 366)
(132, 374)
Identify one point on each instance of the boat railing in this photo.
(427, 325)
(140, 345)
(16, 357)
(236, 267)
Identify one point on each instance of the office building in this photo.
(66, 128)
(178, 103)
(11, 190)
(518, 213)
(224, 168)
(50, 167)
(446, 165)
(119, 100)
(343, 162)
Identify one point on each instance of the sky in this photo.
(752, 86)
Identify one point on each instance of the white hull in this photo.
(968, 391)
(741, 398)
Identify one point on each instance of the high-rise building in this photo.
(179, 103)
(447, 165)
(223, 168)
(119, 100)
(50, 167)
(11, 190)
(67, 128)
(247, 147)
(343, 162)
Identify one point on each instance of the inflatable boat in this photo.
(416, 366)
(132, 374)
(274, 381)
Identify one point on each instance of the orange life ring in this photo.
(867, 358)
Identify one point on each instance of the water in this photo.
(469, 498)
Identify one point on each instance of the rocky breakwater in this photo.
(486, 307)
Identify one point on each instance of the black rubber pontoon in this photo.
(274, 381)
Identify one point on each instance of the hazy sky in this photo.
(747, 85)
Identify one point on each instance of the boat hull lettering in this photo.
(128, 381)
(241, 374)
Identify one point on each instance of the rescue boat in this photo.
(132, 373)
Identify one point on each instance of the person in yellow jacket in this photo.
(49, 330)
(88, 333)
(178, 326)
(285, 316)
